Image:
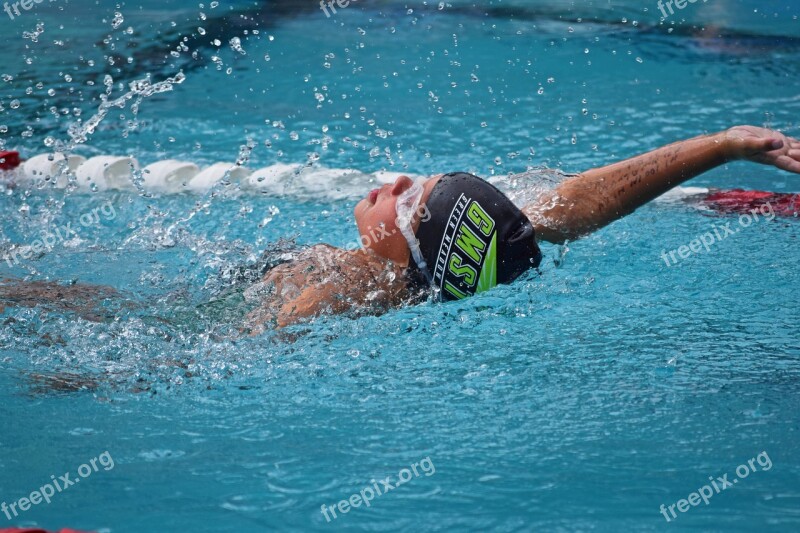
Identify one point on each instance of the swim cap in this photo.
(475, 238)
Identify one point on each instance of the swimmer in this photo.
(454, 235)
(457, 235)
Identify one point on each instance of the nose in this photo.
(401, 185)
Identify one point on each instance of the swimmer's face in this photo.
(376, 217)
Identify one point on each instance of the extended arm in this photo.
(600, 196)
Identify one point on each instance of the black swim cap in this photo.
(475, 237)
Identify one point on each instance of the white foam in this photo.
(317, 183)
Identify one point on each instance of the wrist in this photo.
(727, 145)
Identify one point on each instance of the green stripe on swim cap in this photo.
(488, 277)
(475, 237)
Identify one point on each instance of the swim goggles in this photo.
(407, 206)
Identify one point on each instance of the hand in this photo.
(764, 146)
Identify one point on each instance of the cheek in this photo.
(370, 218)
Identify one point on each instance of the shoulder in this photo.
(324, 279)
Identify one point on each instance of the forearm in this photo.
(600, 196)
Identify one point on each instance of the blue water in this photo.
(583, 398)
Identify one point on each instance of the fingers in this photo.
(787, 163)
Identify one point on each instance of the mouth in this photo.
(373, 196)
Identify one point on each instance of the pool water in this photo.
(582, 397)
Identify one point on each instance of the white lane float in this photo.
(271, 179)
(104, 172)
(169, 176)
(205, 180)
(47, 167)
(681, 194)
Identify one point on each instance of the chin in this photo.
(359, 208)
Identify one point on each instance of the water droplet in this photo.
(117, 21)
(34, 35)
(236, 44)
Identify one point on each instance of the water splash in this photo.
(80, 131)
(139, 90)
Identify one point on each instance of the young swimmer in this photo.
(459, 235)
(453, 235)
